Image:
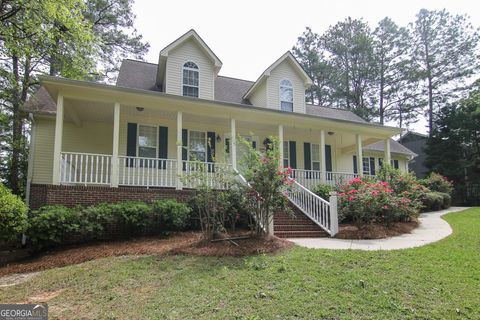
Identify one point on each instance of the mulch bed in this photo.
(183, 243)
(375, 231)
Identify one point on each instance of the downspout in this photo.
(31, 153)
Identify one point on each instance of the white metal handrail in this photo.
(147, 172)
(85, 168)
(312, 178)
(319, 210)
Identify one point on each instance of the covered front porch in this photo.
(130, 139)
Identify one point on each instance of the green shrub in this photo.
(447, 200)
(323, 191)
(433, 201)
(438, 183)
(13, 215)
(133, 214)
(50, 224)
(170, 214)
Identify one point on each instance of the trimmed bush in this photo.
(323, 190)
(437, 183)
(433, 201)
(13, 215)
(50, 224)
(170, 214)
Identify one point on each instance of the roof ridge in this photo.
(235, 78)
(332, 108)
(140, 61)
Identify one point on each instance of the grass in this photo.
(437, 281)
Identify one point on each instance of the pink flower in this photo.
(375, 193)
(385, 207)
(351, 198)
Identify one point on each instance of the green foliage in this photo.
(268, 183)
(323, 191)
(13, 215)
(433, 201)
(437, 182)
(171, 214)
(49, 225)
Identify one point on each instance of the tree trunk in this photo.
(382, 88)
(14, 170)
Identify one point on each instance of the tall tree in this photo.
(309, 52)
(349, 46)
(27, 39)
(113, 24)
(395, 81)
(446, 55)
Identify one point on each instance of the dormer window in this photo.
(286, 95)
(190, 80)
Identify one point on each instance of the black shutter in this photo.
(293, 154)
(163, 146)
(131, 143)
(268, 144)
(372, 166)
(184, 147)
(395, 164)
(355, 169)
(210, 150)
(254, 145)
(307, 156)
(328, 158)
(380, 162)
(227, 145)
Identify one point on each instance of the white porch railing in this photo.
(147, 172)
(312, 178)
(319, 210)
(210, 173)
(85, 168)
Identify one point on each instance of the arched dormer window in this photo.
(190, 79)
(286, 95)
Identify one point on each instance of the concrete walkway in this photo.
(432, 228)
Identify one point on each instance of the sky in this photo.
(249, 35)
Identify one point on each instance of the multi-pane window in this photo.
(190, 80)
(366, 166)
(147, 141)
(286, 154)
(197, 146)
(286, 95)
(315, 154)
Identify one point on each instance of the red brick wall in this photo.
(70, 196)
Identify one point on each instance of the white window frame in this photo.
(192, 86)
(188, 145)
(368, 164)
(280, 93)
(311, 157)
(138, 142)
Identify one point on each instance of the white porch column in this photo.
(280, 142)
(233, 143)
(323, 163)
(179, 149)
(358, 139)
(116, 132)
(57, 147)
(386, 149)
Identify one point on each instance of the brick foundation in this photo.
(70, 196)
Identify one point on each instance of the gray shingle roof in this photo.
(41, 102)
(333, 113)
(231, 90)
(138, 75)
(395, 147)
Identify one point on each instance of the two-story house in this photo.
(93, 142)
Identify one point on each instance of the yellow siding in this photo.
(189, 51)
(91, 137)
(259, 97)
(285, 71)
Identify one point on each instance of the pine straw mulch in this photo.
(180, 243)
(375, 230)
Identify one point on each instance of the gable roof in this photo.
(395, 147)
(286, 56)
(138, 74)
(191, 34)
(333, 113)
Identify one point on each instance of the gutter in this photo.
(31, 153)
(228, 104)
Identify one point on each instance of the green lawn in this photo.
(438, 281)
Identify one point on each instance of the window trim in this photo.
(287, 142)
(369, 167)
(188, 145)
(138, 142)
(280, 85)
(192, 69)
(319, 157)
